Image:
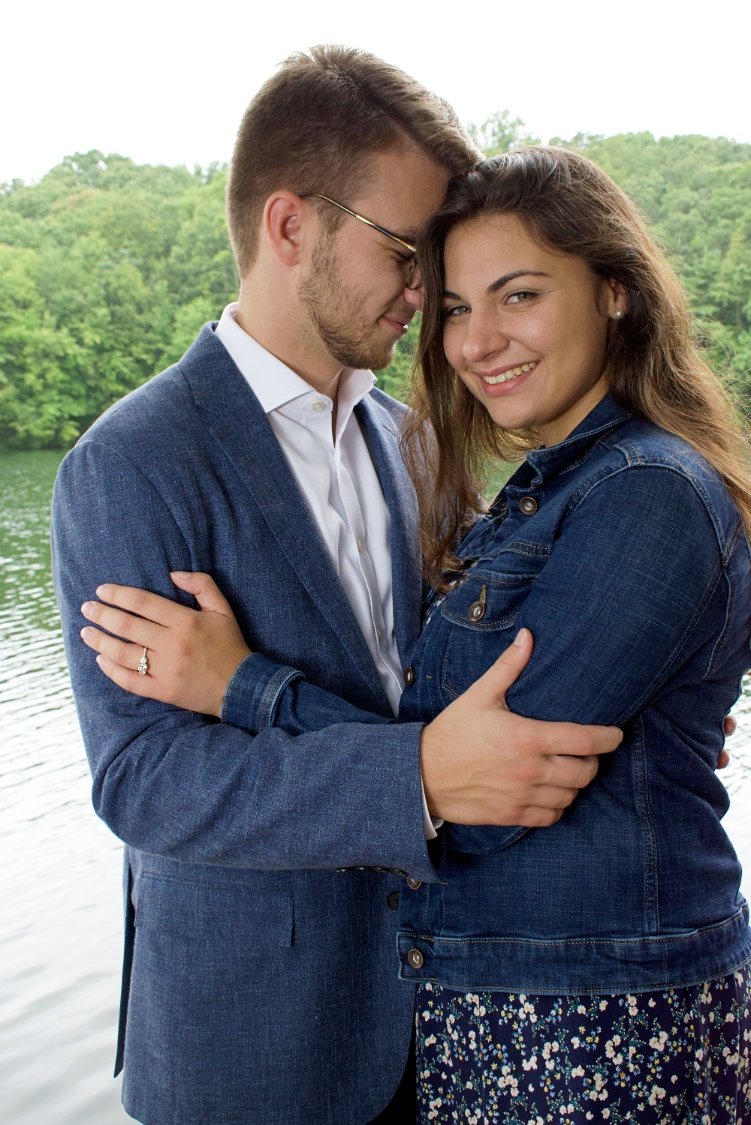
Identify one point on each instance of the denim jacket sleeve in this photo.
(634, 585)
(178, 784)
(263, 693)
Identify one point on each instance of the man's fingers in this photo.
(578, 740)
(569, 773)
(203, 588)
(507, 668)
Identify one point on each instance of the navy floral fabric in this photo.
(677, 1057)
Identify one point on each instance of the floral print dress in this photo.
(677, 1057)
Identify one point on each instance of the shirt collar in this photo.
(273, 383)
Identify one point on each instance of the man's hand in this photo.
(482, 764)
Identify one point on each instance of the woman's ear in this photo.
(284, 218)
(615, 299)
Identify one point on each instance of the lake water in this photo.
(60, 926)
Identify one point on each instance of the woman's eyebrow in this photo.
(499, 283)
(504, 280)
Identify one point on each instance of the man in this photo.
(260, 980)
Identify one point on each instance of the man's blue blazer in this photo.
(260, 982)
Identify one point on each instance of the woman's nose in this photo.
(484, 337)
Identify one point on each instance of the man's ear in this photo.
(285, 216)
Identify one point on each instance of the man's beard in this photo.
(339, 317)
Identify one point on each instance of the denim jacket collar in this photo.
(550, 460)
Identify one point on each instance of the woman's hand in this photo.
(190, 654)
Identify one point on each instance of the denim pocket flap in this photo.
(487, 601)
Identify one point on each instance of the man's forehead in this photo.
(403, 187)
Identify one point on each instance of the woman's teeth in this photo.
(514, 373)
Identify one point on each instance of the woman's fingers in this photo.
(133, 682)
(204, 589)
(141, 603)
(137, 630)
(113, 649)
(126, 626)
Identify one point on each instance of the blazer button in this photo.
(409, 676)
(528, 505)
(413, 884)
(415, 959)
(392, 900)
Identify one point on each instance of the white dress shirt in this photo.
(337, 478)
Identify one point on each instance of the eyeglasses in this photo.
(410, 263)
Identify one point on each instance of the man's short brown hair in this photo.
(313, 124)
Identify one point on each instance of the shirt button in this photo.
(318, 406)
(413, 884)
(361, 545)
(409, 676)
(415, 959)
(528, 505)
(393, 900)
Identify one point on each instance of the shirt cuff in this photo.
(430, 823)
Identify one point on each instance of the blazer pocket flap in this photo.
(217, 912)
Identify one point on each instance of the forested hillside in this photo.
(107, 268)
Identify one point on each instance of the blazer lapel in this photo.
(239, 424)
(382, 436)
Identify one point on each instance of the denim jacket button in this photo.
(392, 900)
(415, 959)
(409, 676)
(528, 505)
(413, 884)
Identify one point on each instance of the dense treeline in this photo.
(107, 268)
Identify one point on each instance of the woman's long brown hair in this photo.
(654, 369)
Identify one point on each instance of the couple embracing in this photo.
(372, 869)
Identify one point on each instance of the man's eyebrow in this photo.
(500, 282)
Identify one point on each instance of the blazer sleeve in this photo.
(177, 784)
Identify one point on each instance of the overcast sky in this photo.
(166, 82)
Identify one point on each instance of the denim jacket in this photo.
(622, 552)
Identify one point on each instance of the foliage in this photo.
(108, 268)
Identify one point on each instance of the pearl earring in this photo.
(617, 314)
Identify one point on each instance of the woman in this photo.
(598, 969)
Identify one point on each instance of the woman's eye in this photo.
(520, 296)
(455, 310)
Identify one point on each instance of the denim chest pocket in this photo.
(479, 621)
(482, 613)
